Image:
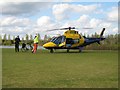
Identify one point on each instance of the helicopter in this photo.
(71, 39)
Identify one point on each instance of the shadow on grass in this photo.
(70, 51)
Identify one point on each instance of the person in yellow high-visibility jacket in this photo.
(36, 40)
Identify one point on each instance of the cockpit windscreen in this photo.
(58, 40)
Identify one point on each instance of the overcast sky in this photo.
(21, 18)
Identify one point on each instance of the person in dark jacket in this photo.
(17, 40)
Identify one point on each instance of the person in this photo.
(24, 47)
(35, 44)
(17, 40)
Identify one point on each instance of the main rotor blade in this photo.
(53, 30)
(69, 28)
(87, 28)
(62, 29)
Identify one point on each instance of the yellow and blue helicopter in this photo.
(71, 40)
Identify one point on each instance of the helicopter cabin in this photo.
(71, 38)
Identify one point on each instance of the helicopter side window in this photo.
(53, 39)
(71, 41)
(76, 32)
(72, 32)
(76, 41)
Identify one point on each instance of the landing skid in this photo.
(80, 50)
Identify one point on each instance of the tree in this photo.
(22, 39)
(0, 39)
(96, 35)
(9, 37)
(9, 42)
(84, 35)
(5, 37)
(88, 36)
(27, 37)
(13, 37)
(39, 36)
(45, 38)
(31, 37)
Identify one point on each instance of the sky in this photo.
(21, 18)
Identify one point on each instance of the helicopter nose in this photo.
(49, 44)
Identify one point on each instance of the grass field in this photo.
(89, 69)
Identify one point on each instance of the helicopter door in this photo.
(69, 42)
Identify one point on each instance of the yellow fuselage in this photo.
(76, 40)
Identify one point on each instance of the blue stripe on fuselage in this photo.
(92, 40)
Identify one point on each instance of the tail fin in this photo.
(102, 32)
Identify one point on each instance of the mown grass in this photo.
(89, 69)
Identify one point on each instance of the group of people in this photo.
(36, 40)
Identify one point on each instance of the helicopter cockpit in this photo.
(58, 40)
